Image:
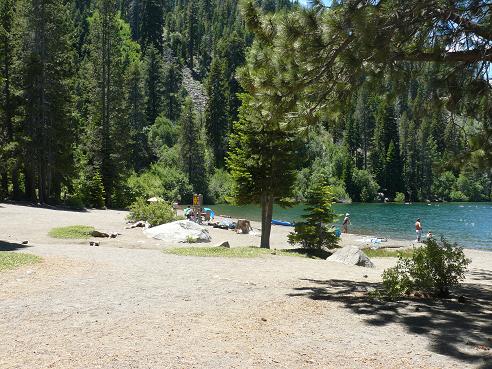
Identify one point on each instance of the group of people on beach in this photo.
(418, 228)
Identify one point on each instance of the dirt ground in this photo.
(126, 304)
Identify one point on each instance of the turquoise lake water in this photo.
(469, 224)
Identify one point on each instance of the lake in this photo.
(469, 224)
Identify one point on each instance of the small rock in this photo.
(25, 242)
(96, 243)
(462, 299)
(365, 275)
(91, 243)
(99, 234)
(29, 272)
(264, 319)
(224, 244)
(417, 308)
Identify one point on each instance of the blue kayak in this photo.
(282, 223)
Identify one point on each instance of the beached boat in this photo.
(282, 223)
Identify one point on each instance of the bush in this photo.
(365, 185)
(94, 192)
(316, 232)
(400, 197)
(155, 213)
(220, 186)
(433, 269)
(458, 196)
(160, 181)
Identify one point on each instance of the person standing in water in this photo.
(346, 222)
(418, 229)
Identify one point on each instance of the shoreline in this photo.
(278, 237)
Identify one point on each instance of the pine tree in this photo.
(172, 100)
(262, 159)
(364, 119)
(154, 84)
(8, 163)
(152, 23)
(140, 152)
(216, 119)
(192, 148)
(316, 231)
(110, 52)
(393, 170)
(47, 57)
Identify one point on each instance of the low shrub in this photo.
(155, 213)
(400, 197)
(432, 269)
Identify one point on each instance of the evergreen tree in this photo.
(47, 56)
(393, 170)
(262, 159)
(8, 165)
(216, 119)
(110, 53)
(152, 23)
(192, 148)
(154, 84)
(316, 231)
(138, 124)
(172, 82)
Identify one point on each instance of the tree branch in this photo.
(467, 56)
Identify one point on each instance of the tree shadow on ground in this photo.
(9, 246)
(309, 253)
(46, 206)
(462, 331)
(481, 275)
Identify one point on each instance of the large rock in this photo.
(180, 231)
(351, 255)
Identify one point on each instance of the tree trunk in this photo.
(16, 192)
(4, 191)
(266, 219)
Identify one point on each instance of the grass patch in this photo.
(12, 260)
(385, 253)
(235, 252)
(72, 232)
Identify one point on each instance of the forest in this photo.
(103, 102)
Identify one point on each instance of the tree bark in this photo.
(266, 219)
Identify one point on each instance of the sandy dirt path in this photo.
(121, 307)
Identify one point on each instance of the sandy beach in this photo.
(127, 304)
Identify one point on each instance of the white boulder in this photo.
(179, 231)
(351, 255)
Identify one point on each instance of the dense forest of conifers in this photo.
(105, 101)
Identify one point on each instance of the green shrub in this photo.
(316, 231)
(155, 213)
(433, 269)
(160, 181)
(94, 189)
(400, 197)
(458, 196)
(74, 201)
(365, 185)
(220, 186)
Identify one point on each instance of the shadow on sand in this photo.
(462, 331)
(9, 246)
(45, 206)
